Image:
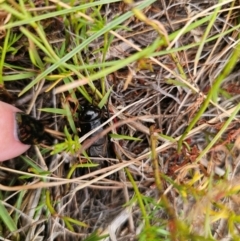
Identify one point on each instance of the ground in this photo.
(162, 78)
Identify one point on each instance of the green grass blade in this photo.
(219, 134)
(6, 218)
(213, 93)
(68, 56)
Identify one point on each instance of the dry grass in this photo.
(172, 69)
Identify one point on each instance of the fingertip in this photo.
(10, 146)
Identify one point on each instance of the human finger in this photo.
(10, 146)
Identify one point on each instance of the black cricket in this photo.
(91, 117)
(29, 130)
